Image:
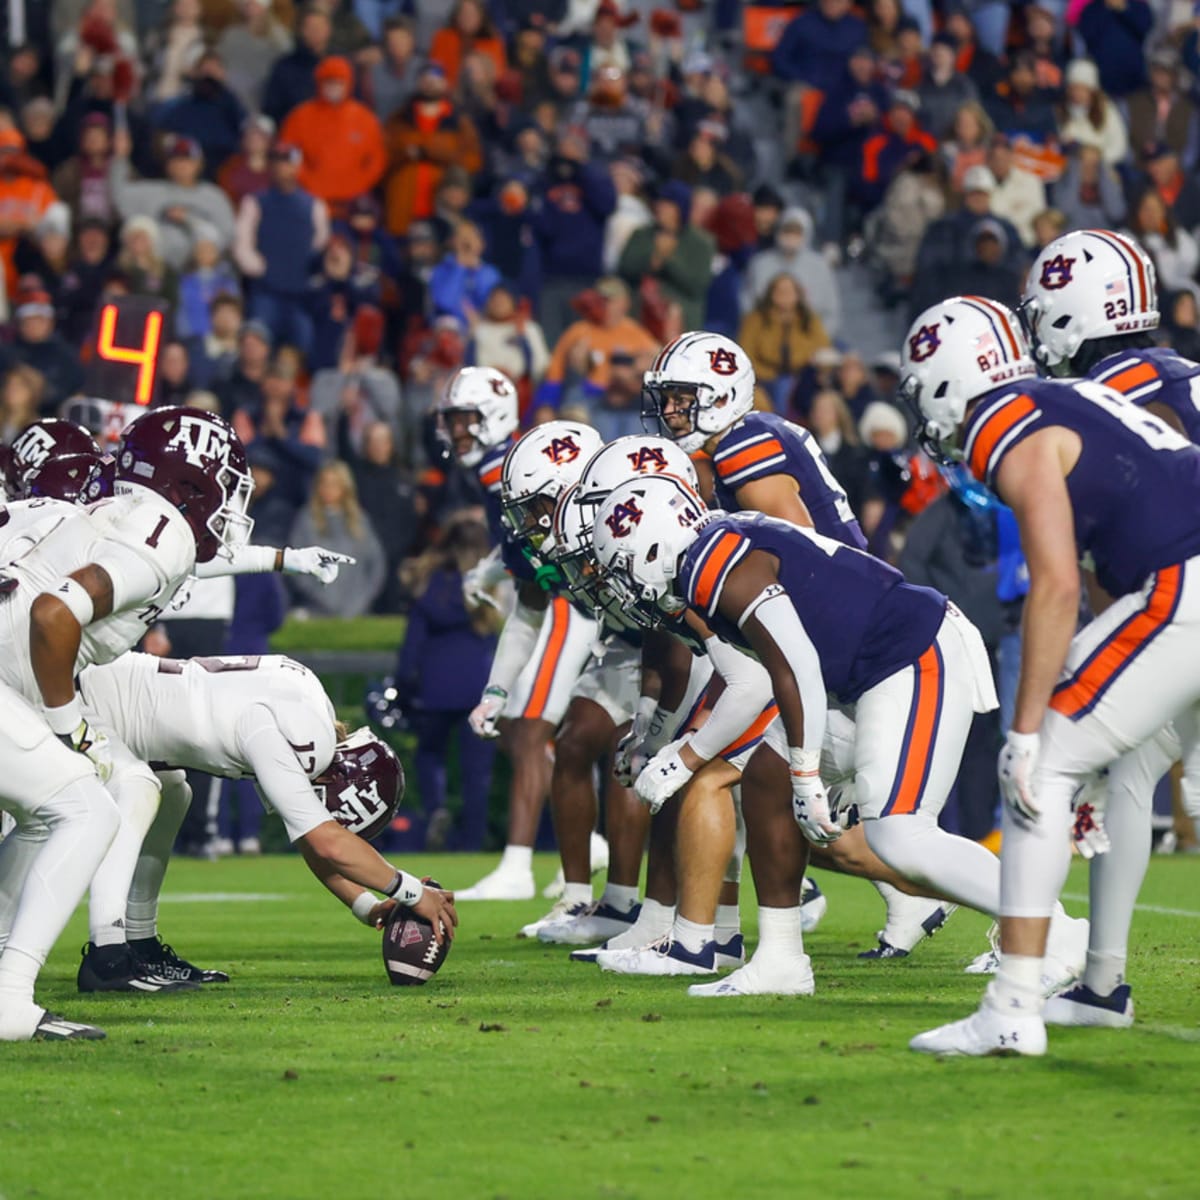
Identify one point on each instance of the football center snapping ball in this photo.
(363, 786)
(411, 954)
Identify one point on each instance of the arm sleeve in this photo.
(747, 692)
(778, 616)
(247, 560)
(515, 648)
(281, 779)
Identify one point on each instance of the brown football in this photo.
(411, 955)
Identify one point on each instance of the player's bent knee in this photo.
(176, 791)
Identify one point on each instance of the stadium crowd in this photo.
(340, 204)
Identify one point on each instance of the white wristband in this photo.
(804, 762)
(364, 905)
(66, 718)
(74, 595)
(406, 889)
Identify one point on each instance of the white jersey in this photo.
(239, 717)
(142, 542)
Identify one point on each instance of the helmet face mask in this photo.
(531, 518)
(476, 410)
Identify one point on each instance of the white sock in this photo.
(1017, 985)
(618, 896)
(576, 893)
(18, 974)
(691, 936)
(136, 795)
(729, 922)
(655, 919)
(141, 909)
(1104, 973)
(779, 933)
(516, 860)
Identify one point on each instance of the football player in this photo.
(38, 444)
(1088, 476)
(544, 645)
(823, 617)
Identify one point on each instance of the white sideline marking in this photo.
(220, 897)
(1150, 908)
(1181, 1033)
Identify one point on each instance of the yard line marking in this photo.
(1180, 1033)
(220, 897)
(1150, 908)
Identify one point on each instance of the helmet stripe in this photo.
(669, 351)
(1130, 257)
(999, 322)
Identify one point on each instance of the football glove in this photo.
(662, 777)
(316, 561)
(1089, 804)
(810, 803)
(1016, 765)
(487, 712)
(92, 743)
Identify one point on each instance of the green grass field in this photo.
(518, 1074)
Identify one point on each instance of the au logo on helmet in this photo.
(562, 450)
(723, 362)
(924, 342)
(646, 459)
(623, 518)
(499, 386)
(1056, 273)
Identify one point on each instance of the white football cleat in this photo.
(813, 905)
(910, 920)
(780, 977)
(29, 1022)
(500, 885)
(560, 911)
(663, 957)
(988, 1031)
(591, 923)
(1081, 1006)
(649, 927)
(599, 863)
(987, 963)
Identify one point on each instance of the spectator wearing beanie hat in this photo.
(87, 272)
(462, 281)
(39, 346)
(1019, 105)
(734, 231)
(794, 254)
(1115, 33)
(250, 47)
(341, 139)
(335, 294)
(1089, 117)
(45, 251)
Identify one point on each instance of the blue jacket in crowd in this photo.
(1115, 38)
(575, 201)
(815, 51)
(211, 114)
(452, 287)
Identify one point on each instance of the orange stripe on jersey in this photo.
(492, 477)
(1131, 377)
(710, 574)
(560, 617)
(918, 748)
(993, 431)
(759, 452)
(1075, 696)
(752, 734)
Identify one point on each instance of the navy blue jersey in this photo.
(1156, 376)
(765, 444)
(1135, 490)
(864, 621)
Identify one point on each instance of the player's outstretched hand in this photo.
(1089, 804)
(1016, 765)
(437, 907)
(316, 561)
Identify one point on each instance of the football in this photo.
(411, 955)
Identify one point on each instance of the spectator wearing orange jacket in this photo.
(340, 138)
(25, 194)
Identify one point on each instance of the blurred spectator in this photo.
(442, 665)
(733, 228)
(25, 195)
(607, 48)
(436, 353)
(529, 61)
(768, 209)
(586, 348)
(82, 180)
(617, 410)
(1020, 105)
(279, 233)
(341, 139)
(275, 504)
(1089, 192)
(1164, 111)
(214, 353)
(45, 251)
(175, 202)
(292, 78)
(141, 260)
(900, 141)
(451, 201)
(1181, 322)
(1089, 117)
(505, 336)
(334, 519)
(710, 100)
(391, 80)
(248, 47)
(610, 120)
(980, 64)
(849, 114)
(388, 499)
(632, 212)
(206, 110)
(1114, 32)
(424, 138)
(38, 345)
(944, 89)
(294, 436)
(794, 254)
(350, 36)
(914, 200)
(1046, 45)
(780, 334)
(174, 375)
(1050, 225)
(209, 277)
(705, 162)
(46, 138)
(968, 141)
(1019, 195)
(87, 270)
(832, 424)
(575, 198)
(359, 392)
(565, 72)
(673, 252)
(248, 171)
(1177, 189)
(469, 31)
(242, 389)
(103, 38)
(335, 294)
(20, 400)
(1174, 250)
(462, 281)
(172, 50)
(990, 270)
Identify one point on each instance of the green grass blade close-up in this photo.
(516, 1073)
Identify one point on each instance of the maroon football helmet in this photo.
(194, 461)
(39, 443)
(63, 477)
(363, 786)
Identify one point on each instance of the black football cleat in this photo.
(157, 957)
(118, 969)
(53, 1028)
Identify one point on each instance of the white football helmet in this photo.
(623, 460)
(536, 471)
(954, 352)
(1086, 285)
(574, 555)
(486, 395)
(699, 385)
(640, 533)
